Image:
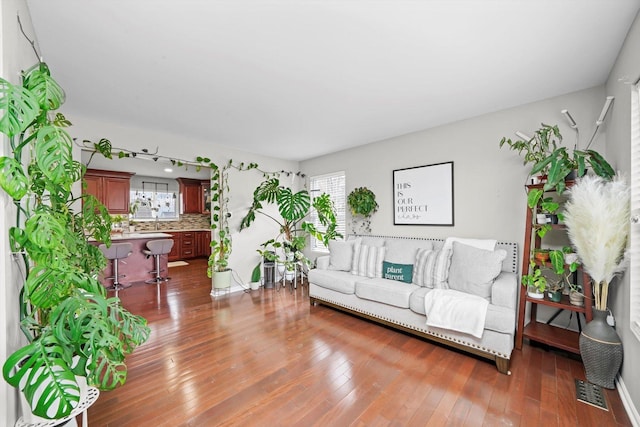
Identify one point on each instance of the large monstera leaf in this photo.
(47, 91)
(267, 191)
(53, 154)
(42, 371)
(12, 178)
(293, 207)
(18, 108)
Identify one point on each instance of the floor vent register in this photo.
(590, 394)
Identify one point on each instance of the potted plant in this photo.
(362, 203)
(553, 161)
(218, 269)
(73, 330)
(597, 219)
(286, 248)
(537, 149)
(536, 282)
(221, 244)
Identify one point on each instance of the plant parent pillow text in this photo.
(399, 272)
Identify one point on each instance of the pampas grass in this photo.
(597, 218)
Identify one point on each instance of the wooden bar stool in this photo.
(116, 252)
(157, 248)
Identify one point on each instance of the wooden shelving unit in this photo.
(557, 337)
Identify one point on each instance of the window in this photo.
(153, 198)
(333, 185)
(634, 270)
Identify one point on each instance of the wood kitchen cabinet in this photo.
(188, 245)
(203, 244)
(110, 188)
(191, 191)
(176, 250)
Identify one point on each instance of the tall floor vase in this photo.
(601, 351)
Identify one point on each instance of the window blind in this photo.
(333, 185)
(634, 268)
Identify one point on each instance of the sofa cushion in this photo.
(403, 251)
(370, 261)
(473, 270)
(339, 281)
(341, 255)
(399, 272)
(436, 268)
(499, 319)
(416, 300)
(386, 291)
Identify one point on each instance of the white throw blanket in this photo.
(458, 311)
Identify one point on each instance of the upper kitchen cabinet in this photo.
(196, 195)
(110, 188)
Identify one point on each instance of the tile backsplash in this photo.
(186, 222)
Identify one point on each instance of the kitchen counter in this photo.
(137, 267)
(134, 236)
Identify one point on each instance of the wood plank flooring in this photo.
(266, 358)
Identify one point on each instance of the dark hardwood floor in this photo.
(267, 358)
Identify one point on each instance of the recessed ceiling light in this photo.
(168, 170)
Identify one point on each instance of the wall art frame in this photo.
(423, 195)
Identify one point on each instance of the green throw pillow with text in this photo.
(399, 272)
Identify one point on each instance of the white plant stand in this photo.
(88, 400)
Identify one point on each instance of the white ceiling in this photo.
(297, 79)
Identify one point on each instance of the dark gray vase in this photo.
(601, 351)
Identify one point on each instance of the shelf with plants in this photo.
(545, 333)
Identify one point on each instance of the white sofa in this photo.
(352, 279)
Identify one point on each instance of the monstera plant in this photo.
(293, 230)
(73, 330)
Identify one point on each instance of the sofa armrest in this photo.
(504, 291)
(322, 262)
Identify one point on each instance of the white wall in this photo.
(627, 67)
(15, 55)
(489, 194)
(244, 256)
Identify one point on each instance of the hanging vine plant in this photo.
(362, 203)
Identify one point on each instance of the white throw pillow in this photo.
(403, 251)
(370, 261)
(486, 244)
(341, 255)
(474, 270)
(436, 269)
(418, 268)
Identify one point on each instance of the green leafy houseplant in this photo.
(72, 328)
(221, 243)
(362, 203)
(293, 229)
(547, 157)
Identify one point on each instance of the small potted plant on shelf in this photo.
(536, 282)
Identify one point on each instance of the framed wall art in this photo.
(423, 195)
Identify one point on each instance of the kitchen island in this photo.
(137, 266)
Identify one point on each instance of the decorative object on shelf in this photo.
(423, 195)
(362, 203)
(535, 282)
(541, 255)
(597, 217)
(72, 328)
